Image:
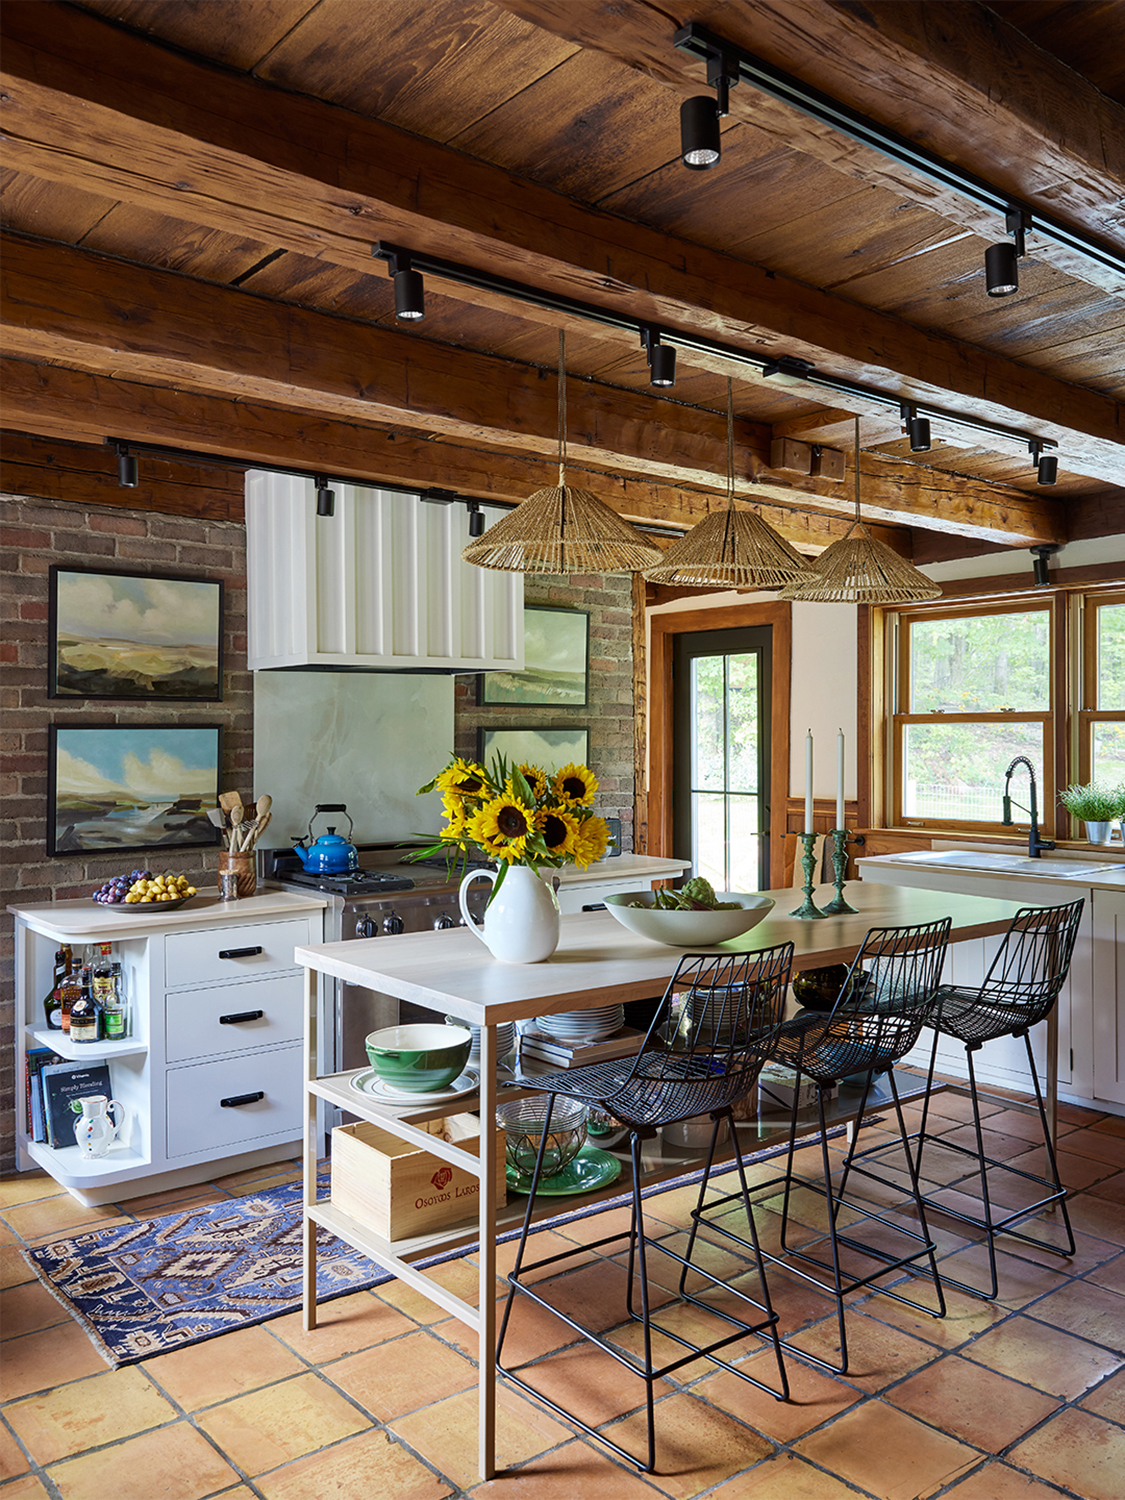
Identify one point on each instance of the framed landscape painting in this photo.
(131, 787)
(156, 637)
(547, 748)
(556, 656)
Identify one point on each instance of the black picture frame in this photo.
(134, 637)
(558, 745)
(93, 809)
(557, 670)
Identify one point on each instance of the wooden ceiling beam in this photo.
(1047, 134)
(108, 112)
(109, 318)
(53, 402)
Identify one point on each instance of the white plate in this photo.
(369, 1083)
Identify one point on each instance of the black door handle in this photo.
(239, 952)
(242, 1015)
(236, 1099)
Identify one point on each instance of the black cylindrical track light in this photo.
(1042, 556)
(700, 147)
(663, 365)
(476, 519)
(1047, 469)
(127, 471)
(918, 431)
(325, 498)
(1001, 272)
(410, 295)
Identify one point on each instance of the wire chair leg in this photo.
(704, 1180)
(646, 1325)
(919, 1201)
(513, 1277)
(1052, 1159)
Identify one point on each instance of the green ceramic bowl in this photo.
(419, 1059)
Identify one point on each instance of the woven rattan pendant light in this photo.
(858, 569)
(730, 548)
(562, 530)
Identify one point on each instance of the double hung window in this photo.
(1101, 721)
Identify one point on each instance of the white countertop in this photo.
(85, 920)
(623, 867)
(1080, 869)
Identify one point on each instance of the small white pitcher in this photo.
(94, 1130)
(521, 924)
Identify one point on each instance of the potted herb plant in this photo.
(1096, 806)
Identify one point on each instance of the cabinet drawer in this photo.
(206, 1022)
(197, 1119)
(219, 953)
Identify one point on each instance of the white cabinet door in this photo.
(216, 954)
(1109, 996)
(233, 1017)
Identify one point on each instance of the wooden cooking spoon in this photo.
(228, 800)
(236, 816)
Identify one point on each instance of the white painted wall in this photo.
(1102, 549)
(825, 680)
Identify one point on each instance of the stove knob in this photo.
(366, 927)
(442, 922)
(393, 924)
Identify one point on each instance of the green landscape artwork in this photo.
(555, 658)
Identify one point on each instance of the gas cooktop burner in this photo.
(358, 883)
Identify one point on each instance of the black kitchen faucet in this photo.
(1035, 845)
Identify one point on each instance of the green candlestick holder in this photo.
(808, 910)
(838, 907)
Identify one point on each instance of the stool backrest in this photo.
(1032, 962)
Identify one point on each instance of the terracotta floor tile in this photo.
(1042, 1356)
(1097, 1144)
(592, 1384)
(13, 1460)
(598, 1226)
(697, 1446)
(576, 1472)
(1112, 1189)
(176, 1463)
(28, 1487)
(596, 1294)
(26, 1187)
(813, 1397)
(248, 1357)
(403, 1376)
(343, 1327)
(1108, 1400)
(446, 1434)
(539, 1247)
(1019, 1281)
(879, 1354)
(1028, 1127)
(28, 1308)
(1098, 1217)
(101, 1410)
(58, 1217)
(6, 1236)
(1079, 1451)
(121, 1222)
(1078, 1114)
(972, 1402)
(1089, 1312)
(1076, 1172)
(785, 1477)
(461, 1277)
(14, 1269)
(996, 1481)
(39, 1361)
(1111, 1275)
(369, 1467)
(965, 1317)
(951, 1106)
(154, 1204)
(280, 1422)
(1109, 1125)
(887, 1452)
(251, 1178)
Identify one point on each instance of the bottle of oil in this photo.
(52, 1004)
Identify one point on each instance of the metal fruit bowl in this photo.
(688, 929)
(522, 1121)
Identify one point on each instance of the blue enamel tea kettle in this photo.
(330, 854)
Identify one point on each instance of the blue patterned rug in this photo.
(160, 1284)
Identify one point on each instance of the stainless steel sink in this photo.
(1012, 864)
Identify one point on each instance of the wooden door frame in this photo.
(664, 628)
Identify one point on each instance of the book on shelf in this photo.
(64, 1084)
(544, 1048)
(34, 1061)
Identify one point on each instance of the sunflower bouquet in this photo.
(518, 815)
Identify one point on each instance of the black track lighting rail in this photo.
(767, 365)
(698, 42)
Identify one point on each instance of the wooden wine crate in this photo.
(397, 1189)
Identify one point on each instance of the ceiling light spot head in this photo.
(1042, 556)
(325, 498)
(917, 428)
(700, 145)
(127, 471)
(410, 289)
(786, 369)
(661, 357)
(476, 519)
(1046, 464)
(1001, 270)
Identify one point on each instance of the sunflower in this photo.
(502, 827)
(591, 840)
(536, 779)
(464, 778)
(456, 816)
(559, 828)
(575, 785)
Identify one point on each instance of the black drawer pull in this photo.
(236, 1099)
(597, 906)
(239, 952)
(242, 1015)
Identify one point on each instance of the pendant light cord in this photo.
(562, 409)
(855, 465)
(726, 554)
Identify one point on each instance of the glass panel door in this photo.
(720, 777)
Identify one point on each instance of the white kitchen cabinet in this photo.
(212, 1077)
(1108, 935)
(613, 877)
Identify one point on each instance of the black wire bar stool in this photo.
(876, 1020)
(1020, 989)
(717, 1022)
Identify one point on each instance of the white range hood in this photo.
(378, 586)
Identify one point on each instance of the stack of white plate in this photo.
(505, 1038)
(583, 1025)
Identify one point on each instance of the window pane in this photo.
(981, 663)
(742, 723)
(956, 771)
(707, 761)
(708, 826)
(1111, 656)
(744, 844)
(1108, 757)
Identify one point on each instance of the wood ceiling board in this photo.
(32, 205)
(238, 35)
(908, 67)
(153, 239)
(1077, 33)
(325, 286)
(558, 242)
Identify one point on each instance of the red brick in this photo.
(33, 609)
(150, 551)
(120, 525)
(7, 650)
(14, 536)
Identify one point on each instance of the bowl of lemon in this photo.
(159, 893)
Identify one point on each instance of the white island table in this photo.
(597, 961)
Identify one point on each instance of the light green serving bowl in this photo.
(689, 929)
(419, 1059)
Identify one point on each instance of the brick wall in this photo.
(609, 710)
(35, 534)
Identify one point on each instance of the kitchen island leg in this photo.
(486, 1350)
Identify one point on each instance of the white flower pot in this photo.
(521, 922)
(1098, 833)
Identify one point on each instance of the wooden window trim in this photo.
(1091, 710)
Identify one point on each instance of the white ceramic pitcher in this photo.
(95, 1130)
(521, 924)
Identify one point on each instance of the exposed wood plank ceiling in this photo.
(190, 193)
